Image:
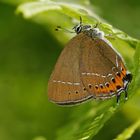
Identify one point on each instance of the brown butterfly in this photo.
(88, 67)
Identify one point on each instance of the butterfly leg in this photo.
(126, 95)
(118, 98)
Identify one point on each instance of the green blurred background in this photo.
(28, 52)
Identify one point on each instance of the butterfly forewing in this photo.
(65, 86)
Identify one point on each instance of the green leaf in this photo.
(15, 2)
(132, 108)
(32, 9)
(137, 67)
(128, 132)
(48, 12)
(87, 122)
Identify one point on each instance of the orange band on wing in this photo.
(123, 69)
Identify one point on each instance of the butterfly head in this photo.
(81, 28)
(93, 32)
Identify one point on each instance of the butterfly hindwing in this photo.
(100, 68)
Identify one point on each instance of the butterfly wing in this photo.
(65, 86)
(102, 68)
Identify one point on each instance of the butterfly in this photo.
(88, 68)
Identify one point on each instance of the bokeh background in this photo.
(28, 52)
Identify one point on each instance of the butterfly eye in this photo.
(78, 29)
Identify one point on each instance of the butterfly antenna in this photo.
(81, 21)
(58, 28)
